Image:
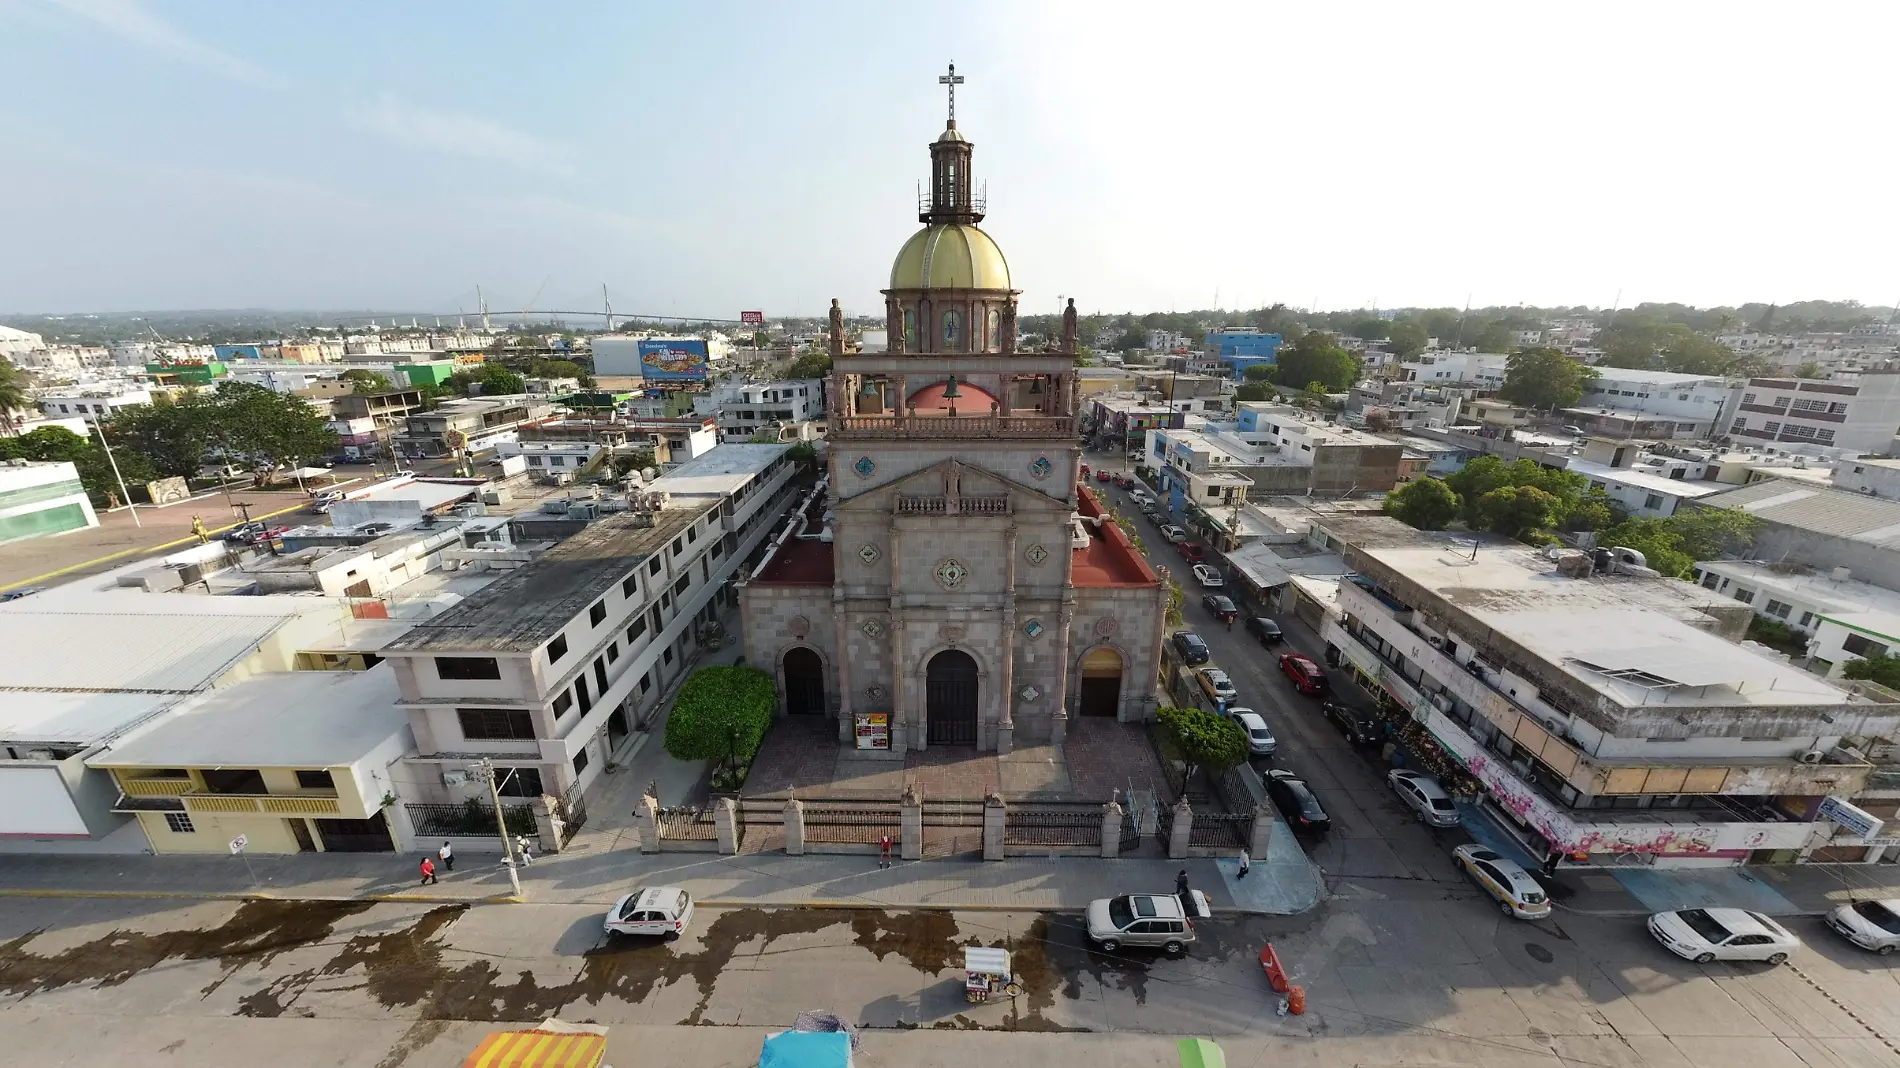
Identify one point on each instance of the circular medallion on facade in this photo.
(1037, 554)
(799, 626)
(868, 553)
(874, 692)
(872, 628)
(951, 632)
(864, 466)
(951, 573)
(1041, 467)
(1033, 628)
(1029, 693)
(1106, 626)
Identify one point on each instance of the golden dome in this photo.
(950, 256)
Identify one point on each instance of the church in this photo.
(953, 582)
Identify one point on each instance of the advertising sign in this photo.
(1854, 820)
(673, 359)
(756, 317)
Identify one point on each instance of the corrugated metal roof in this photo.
(1816, 508)
(33, 719)
(311, 719)
(71, 648)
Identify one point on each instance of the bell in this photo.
(870, 391)
(1035, 386)
(950, 389)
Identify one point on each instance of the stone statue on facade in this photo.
(1068, 327)
(894, 327)
(837, 329)
(1006, 331)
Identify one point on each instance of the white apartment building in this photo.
(91, 404)
(1873, 477)
(1840, 637)
(553, 461)
(1796, 594)
(1607, 717)
(17, 343)
(1698, 405)
(37, 499)
(1443, 367)
(742, 409)
(1860, 412)
(550, 668)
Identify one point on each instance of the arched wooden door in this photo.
(1101, 683)
(804, 683)
(950, 699)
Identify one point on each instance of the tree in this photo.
(177, 438)
(1660, 545)
(1132, 338)
(1689, 353)
(1252, 391)
(804, 454)
(1369, 328)
(1545, 378)
(562, 369)
(1206, 741)
(1407, 338)
(1593, 512)
(1317, 357)
(1516, 511)
(1259, 372)
(366, 381)
(56, 444)
(499, 381)
(1487, 473)
(1883, 669)
(810, 365)
(266, 425)
(1810, 369)
(13, 393)
(1714, 533)
(637, 460)
(1496, 337)
(1428, 504)
(721, 713)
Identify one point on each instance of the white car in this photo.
(1871, 925)
(1703, 935)
(1260, 739)
(1208, 576)
(1174, 533)
(660, 911)
(1517, 893)
(1423, 795)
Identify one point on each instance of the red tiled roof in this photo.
(799, 562)
(1110, 560)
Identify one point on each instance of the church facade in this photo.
(971, 591)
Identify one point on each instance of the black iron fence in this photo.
(1131, 830)
(861, 822)
(1053, 825)
(571, 810)
(1221, 830)
(471, 818)
(688, 824)
(953, 812)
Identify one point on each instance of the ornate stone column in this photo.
(1006, 717)
(900, 676)
(841, 659)
(1059, 711)
(1009, 387)
(902, 400)
(894, 326)
(1006, 330)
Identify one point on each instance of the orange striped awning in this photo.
(538, 1049)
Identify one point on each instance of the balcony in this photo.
(263, 804)
(157, 787)
(978, 504)
(954, 426)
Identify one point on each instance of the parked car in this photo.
(1192, 551)
(1173, 533)
(1135, 456)
(1215, 683)
(1359, 727)
(1192, 649)
(1290, 794)
(1573, 430)
(660, 911)
(1104, 476)
(14, 595)
(1082, 471)
(1308, 677)
(1517, 893)
(1871, 925)
(1145, 920)
(1208, 575)
(1265, 629)
(1222, 608)
(1260, 739)
(1703, 935)
(1422, 794)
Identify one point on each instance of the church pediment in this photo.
(967, 482)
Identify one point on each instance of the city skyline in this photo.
(698, 162)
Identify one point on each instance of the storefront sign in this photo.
(1854, 820)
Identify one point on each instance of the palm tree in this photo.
(13, 395)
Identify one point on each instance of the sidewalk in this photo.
(1792, 890)
(763, 880)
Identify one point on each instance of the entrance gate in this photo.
(1101, 690)
(804, 683)
(950, 698)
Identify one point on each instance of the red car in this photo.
(1082, 471)
(1308, 677)
(1192, 551)
(1104, 476)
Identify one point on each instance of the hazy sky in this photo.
(704, 157)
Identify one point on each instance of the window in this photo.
(1748, 398)
(597, 613)
(1709, 580)
(562, 703)
(467, 667)
(1740, 425)
(680, 586)
(557, 461)
(557, 648)
(613, 652)
(580, 691)
(1654, 500)
(580, 762)
(518, 782)
(1806, 618)
(234, 781)
(646, 682)
(630, 586)
(653, 566)
(635, 629)
(600, 672)
(667, 656)
(180, 823)
(1746, 596)
(496, 724)
(1860, 646)
(534, 461)
(679, 546)
(1777, 609)
(315, 780)
(1772, 427)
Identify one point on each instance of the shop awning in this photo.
(538, 1049)
(1201, 1053)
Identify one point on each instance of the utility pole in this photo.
(123, 495)
(610, 307)
(486, 769)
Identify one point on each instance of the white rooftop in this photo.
(289, 719)
(1833, 596)
(155, 643)
(39, 719)
(1649, 480)
(718, 471)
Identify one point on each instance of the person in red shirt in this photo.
(428, 870)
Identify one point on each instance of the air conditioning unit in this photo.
(454, 777)
(1812, 756)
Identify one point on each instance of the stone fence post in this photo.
(1178, 835)
(910, 825)
(726, 822)
(548, 827)
(794, 828)
(1111, 831)
(646, 819)
(1262, 836)
(995, 818)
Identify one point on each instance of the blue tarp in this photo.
(806, 1049)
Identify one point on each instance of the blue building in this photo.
(238, 352)
(1241, 348)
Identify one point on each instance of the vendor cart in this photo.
(986, 974)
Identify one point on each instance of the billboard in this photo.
(673, 359)
(750, 317)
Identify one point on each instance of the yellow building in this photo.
(291, 761)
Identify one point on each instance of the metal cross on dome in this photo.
(952, 79)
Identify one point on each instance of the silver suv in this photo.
(1145, 920)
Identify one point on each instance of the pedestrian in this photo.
(428, 871)
(1181, 884)
(527, 849)
(1246, 862)
(447, 854)
(884, 851)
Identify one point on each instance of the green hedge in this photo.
(721, 713)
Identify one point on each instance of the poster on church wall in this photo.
(673, 359)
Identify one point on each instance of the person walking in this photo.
(428, 871)
(447, 856)
(1246, 862)
(1181, 890)
(527, 849)
(884, 851)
